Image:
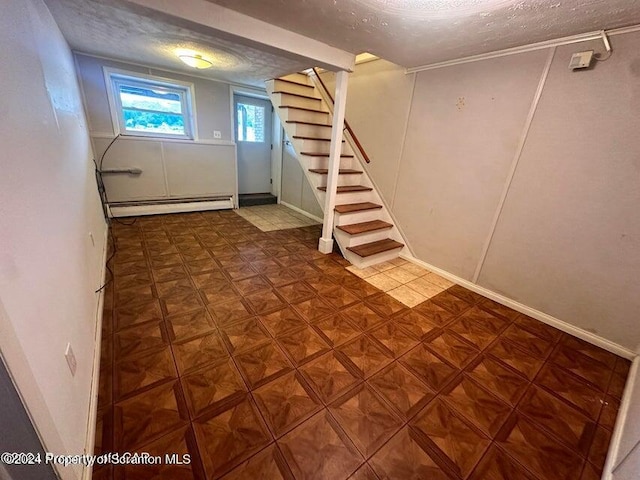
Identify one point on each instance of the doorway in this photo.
(253, 132)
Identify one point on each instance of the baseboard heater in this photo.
(170, 205)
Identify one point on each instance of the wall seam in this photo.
(514, 164)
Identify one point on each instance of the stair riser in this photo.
(351, 179)
(323, 162)
(358, 217)
(373, 259)
(304, 116)
(311, 130)
(319, 146)
(298, 77)
(351, 197)
(298, 101)
(290, 87)
(347, 240)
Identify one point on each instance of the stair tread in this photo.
(309, 97)
(315, 124)
(320, 139)
(314, 110)
(364, 227)
(319, 154)
(342, 171)
(356, 207)
(349, 188)
(294, 83)
(373, 248)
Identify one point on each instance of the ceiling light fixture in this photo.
(195, 60)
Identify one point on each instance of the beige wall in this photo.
(171, 169)
(296, 190)
(567, 237)
(49, 267)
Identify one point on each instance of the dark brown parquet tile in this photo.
(229, 437)
(181, 443)
(138, 339)
(282, 322)
(403, 458)
(303, 345)
(144, 312)
(269, 464)
(181, 303)
(397, 340)
(498, 378)
(527, 342)
(435, 372)
(451, 440)
(416, 324)
(329, 376)
(148, 416)
(336, 330)
(265, 301)
(229, 312)
(452, 348)
(319, 450)
(571, 388)
(141, 372)
(286, 402)
(595, 372)
(517, 359)
(385, 305)
(366, 354)
(199, 351)
(537, 451)
(190, 325)
(314, 309)
(478, 327)
(218, 338)
(362, 316)
(367, 420)
(211, 386)
(262, 364)
(451, 303)
(497, 465)
(479, 406)
(244, 335)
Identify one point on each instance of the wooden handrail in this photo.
(346, 124)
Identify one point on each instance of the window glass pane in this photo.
(250, 123)
(150, 99)
(165, 123)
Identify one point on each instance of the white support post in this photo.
(325, 245)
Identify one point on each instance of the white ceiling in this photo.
(407, 32)
(420, 32)
(113, 29)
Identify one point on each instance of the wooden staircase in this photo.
(364, 229)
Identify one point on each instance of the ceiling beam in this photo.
(204, 16)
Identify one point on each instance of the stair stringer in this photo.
(343, 239)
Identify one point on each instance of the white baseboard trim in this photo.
(90, 440)
(299, 210)
(538, 315)
(613, 461)
(163, 208)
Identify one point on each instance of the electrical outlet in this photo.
(217, 134)
(71, 359)
(93, 240)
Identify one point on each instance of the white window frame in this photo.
(113, 78)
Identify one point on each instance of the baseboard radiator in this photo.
(171, 205)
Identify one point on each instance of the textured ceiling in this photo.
(420, 32)
(111, 29)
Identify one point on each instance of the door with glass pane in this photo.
(253, 137)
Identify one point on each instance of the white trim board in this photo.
(583, 37)
(95, 380)
(299, 210)
(538, 315)
(178, 207)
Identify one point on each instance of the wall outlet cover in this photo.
(217, 134)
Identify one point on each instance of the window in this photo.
(152, 108)
(250, 123)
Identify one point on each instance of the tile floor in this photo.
(264, 359)
(274, 217)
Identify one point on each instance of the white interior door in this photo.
(253, 137)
